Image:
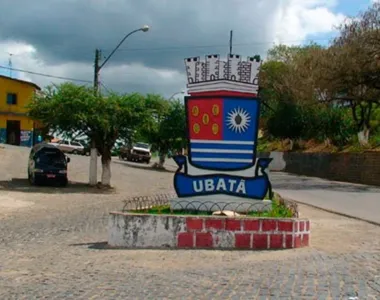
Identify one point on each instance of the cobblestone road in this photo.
(51, 247)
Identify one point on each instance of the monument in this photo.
(220, 173)
(222, 114)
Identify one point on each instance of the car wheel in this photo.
(32, 179)
(64, 182)
(75, 152)
(147, 162)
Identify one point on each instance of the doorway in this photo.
(13, 132)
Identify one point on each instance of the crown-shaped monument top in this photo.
(215, 74)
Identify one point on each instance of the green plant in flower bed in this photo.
(279, 210)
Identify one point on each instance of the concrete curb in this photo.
(334, 212)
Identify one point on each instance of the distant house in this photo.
(16, 128)
(339, 100)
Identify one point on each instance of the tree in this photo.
(75, 109)
(283, 53)
(288, 73)
(286, 121)
(287, 76)
(361, 37)
(166, 128)
(347, 72)
(272, 81)
(350, 71)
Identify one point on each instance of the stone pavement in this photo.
(53, 248)
(357, 200)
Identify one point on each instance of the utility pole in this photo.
(96, 71)
(10, 64)
(93, 177)
(97, 67)
(231, 33)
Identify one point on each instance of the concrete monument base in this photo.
(146, 231)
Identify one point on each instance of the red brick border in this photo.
(244, 233)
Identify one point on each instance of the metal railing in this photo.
(161, 202)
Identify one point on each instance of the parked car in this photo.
(138, 152)
(47, 163)
(69, 146)
(87, 150)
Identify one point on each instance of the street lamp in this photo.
(98, 67)
(145, 28)
(175, 94)
(94, 153)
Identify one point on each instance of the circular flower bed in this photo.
(157, 226)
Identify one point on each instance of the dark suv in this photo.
(47, 163)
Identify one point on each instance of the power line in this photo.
(150, 49)
(102, 84)
(217, 46)
(199, 46)
(45, 75)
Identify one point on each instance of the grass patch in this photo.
(266, 144)
(279, 210)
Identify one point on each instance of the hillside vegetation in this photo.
(327, 99)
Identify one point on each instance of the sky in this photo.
(59, 37)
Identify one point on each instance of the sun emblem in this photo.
(238, 120)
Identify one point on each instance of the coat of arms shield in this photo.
(222, 115)
(222, 132)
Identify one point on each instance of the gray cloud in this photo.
(65, 34)
(70, 30)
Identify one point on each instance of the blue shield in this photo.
(222, 132)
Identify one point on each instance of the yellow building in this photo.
(15, 126)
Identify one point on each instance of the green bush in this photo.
(375, 138)
(338, 125)
(286, 121)
(311, 122)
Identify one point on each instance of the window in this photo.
(142, 145)
(11, 99)
(76, 144)
(50, 157)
